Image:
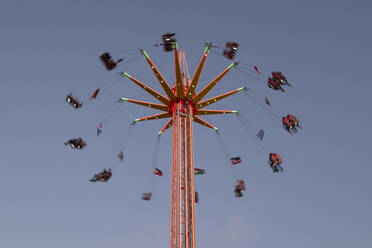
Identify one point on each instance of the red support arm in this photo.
(195, 78)
(160, 78)
(215, 112)
(153, 117)
(179, 83)
(204, 123)
(152, 92)
(210, 101)
(210, 86)
(146, 104)
(165, 128)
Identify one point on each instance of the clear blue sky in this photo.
(50, 48)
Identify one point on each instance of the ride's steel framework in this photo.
(183, 106)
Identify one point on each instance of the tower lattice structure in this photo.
(183, 106)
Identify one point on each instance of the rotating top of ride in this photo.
(183, 90)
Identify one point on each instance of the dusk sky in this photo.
(51, 48)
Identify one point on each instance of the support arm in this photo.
(204, 123)
(146, 104)
(160, 78)
(210, 101)
(168, 125)
(195, 78)
(179, 83)
(153, 117)
(215, 112)
(152, 92)
(210, 86)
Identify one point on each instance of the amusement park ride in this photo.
(181, 105)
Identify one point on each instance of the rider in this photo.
(292, 119)
(168, 41)
(228, 54)
(146, 196)
(288, 125)
(232, 48)
(77, 143)
(107, 174)
(279, 76)
(102, 176)
(108, 62)
(73, 101)
(121, 156)
(238, 192)
(275, 84)
(239, 188)
(275, 161)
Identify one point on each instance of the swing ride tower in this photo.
(183, 106)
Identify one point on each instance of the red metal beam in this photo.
(218, 98)
(179, 83)
(204, 123)
(152, 92)
(160, 78)
(195, 78)
(165, 128)
(146, 104)
(153, 117)
(210, 86)
(215, 112)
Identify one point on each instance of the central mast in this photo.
(182, 193)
